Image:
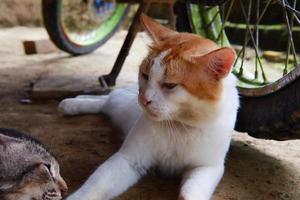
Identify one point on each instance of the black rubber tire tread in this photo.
(274, 116)
(51, 12)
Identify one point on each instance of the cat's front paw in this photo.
(69, 106)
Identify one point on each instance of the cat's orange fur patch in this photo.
(196, 63)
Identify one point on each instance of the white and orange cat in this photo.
(180, 117)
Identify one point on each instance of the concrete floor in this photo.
(255, 169)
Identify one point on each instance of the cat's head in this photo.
(182, 77)
(28, 171)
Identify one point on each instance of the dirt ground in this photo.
(255, 169)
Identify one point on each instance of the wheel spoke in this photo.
(213, 23)
(225, 19)
(285, 71)
(253, 42)
(264, 11)
(293, 12)
(209, 24)
(221, 33)
(262, 14)
(290, 35)
(288, 7)
(241, 70)
(257, 38)
(247, 39)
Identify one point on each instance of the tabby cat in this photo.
(27, 170)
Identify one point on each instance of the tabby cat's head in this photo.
(182, 77)
(28, 171)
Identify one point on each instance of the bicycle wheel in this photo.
(81, 26)
(268, 81)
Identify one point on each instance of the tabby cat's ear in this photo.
(156, 31)
(4, 139)
(218, 62)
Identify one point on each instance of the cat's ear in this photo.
(218, 62)
(4, 139)
(156, 31)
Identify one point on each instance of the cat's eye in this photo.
(48, 166)
(145, 76)
(169, 86)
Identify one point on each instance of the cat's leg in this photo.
(91, 96)
(112, 178)
(82, 105)
(199, 183)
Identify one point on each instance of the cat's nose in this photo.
(62, 186)
(144, 100)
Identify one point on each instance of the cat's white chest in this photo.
(177, 148)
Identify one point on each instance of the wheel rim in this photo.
(86, 22)
(257, 75)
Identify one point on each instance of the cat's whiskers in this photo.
(168, 127)
(175, 128)
(176, 132)
(170, 116)
(184, 127)
(171, 124)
